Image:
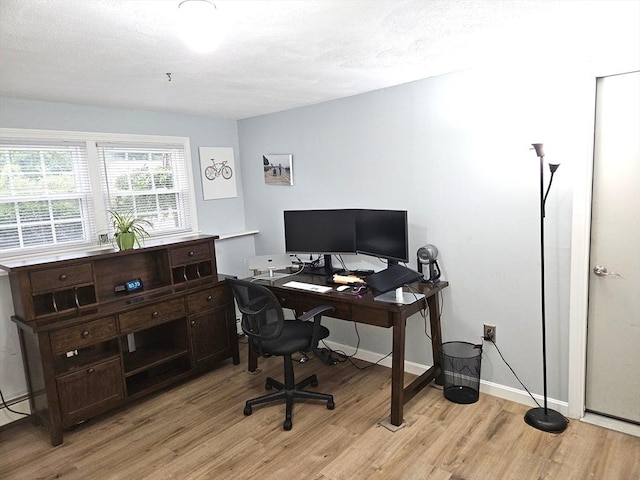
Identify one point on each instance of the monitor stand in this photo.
(399, 297)
(327, 270)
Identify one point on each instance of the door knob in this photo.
(602, 271)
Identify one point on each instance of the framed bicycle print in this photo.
(217, 169)
(278, 169)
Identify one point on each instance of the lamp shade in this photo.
(539, 147)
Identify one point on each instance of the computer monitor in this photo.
(325, 232)
(384, 234)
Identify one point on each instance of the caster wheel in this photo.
(330, 405)
(247, 410)
(287, 425)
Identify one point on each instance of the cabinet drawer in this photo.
(205, 300)
(301, 304)
(90, 390)
(61, 277)
(73, 338)
(190, 254)
(372, 316)
(151, 315)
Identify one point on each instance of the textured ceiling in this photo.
(277, 55)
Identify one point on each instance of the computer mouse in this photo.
(342, 288)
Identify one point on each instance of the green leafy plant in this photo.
(129, 229)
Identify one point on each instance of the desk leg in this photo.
(433, 303)
(397, 370)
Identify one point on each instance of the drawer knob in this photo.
(91, 370)
(193, 322)
(155, 314)
(85, 334)
(191, 253)
(209, 298)
(62, 277)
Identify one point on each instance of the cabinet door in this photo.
(210, 335)
(90, 391)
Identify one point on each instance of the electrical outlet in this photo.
(489, 332)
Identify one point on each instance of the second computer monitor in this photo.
(383, 234)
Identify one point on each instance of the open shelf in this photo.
(60, 301)
(148, 358)
(152, 267)
(158, 375)
(83, 357)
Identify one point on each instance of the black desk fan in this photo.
(427, 256)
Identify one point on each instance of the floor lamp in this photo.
(544, 418)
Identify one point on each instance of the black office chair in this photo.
(270, 334)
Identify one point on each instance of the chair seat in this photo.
(296, 336)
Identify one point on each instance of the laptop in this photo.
(389, 284)
(392, 277)
(268, 264)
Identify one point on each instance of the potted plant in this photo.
(129, 229)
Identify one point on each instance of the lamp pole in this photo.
(544, 418)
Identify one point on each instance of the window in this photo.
(148, 180)
(45, 196)
(56, 187)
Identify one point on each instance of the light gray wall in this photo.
(452, 150)
(455, 152)
(214, 216)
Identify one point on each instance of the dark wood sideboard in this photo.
(89, 347)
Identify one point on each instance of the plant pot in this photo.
(125, 241)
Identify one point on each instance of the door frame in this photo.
(579, 277)
(580, 272)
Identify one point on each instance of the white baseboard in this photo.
(490, 388)
(7, 417)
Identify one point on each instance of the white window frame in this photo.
(100, 202)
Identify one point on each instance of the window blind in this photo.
(45, 195)
(151, 181)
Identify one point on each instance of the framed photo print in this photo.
(278, 169)
(217, 169)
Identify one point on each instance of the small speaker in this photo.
(427, 255)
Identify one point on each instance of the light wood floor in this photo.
(197, 431)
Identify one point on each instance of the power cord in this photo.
(512, 371)
(4, 403)
(424, 312)
(343, 357)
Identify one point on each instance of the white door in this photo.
(613, 327)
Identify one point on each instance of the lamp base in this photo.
(549, 421)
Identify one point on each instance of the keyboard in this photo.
(309, 287)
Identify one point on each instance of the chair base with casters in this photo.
(289, 391)
(270, 335)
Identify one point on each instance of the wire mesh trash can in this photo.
(461, 371)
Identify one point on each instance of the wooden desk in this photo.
(366, 310)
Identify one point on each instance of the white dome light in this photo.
(199, 26)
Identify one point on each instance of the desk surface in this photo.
(362, 307)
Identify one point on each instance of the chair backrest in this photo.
(262, 316)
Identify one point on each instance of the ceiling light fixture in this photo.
(199, 26)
